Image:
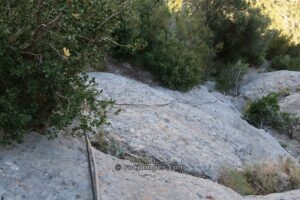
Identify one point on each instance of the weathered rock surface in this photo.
(57, 170)
(291, 195)
(43, 169)
(291, 104)
(257, 85)
(201, 130)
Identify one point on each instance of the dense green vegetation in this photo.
(284, 16)
(283, 32)
(283, 53)
(176, 47)
(238, 30)
(177, 40)
(266, 111)
(45, 47)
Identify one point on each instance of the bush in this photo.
(261, 112)
(295, 64)
(180, 58)
(173, 46)
(174, 65)
(236, 180)
(263, 179)
(286, 123)
(45, 48)
(230, 76)
(282, 62)
(286, 62)
(279, 44)
(285, 54)
(266, 111)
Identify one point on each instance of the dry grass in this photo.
(263, 179)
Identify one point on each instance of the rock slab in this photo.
(57, 170)
(257, 85)
(201, 130)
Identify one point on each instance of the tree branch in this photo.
(56, 51)
(40, 32)
(112, 16)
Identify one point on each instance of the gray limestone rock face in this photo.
(201, 130)
(44, 169)
(257, 85)
(291, 195)
(291, 104)
(58, 170)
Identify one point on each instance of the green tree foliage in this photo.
(280, 45)
(284, 32)
(173, 46)
(284, 54)
(260, 112)
(45, 46)
(284, 15)
(286, 62)
(282, 62)
(238, 29)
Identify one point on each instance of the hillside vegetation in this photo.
(284, 15)
(47, 47)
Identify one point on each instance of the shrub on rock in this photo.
(266, 111)
(230, 76)
(45, 48)
(262, 179)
